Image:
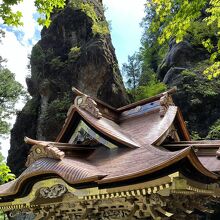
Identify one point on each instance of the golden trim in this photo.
(90, 193)
(165, 186)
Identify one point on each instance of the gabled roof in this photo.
(111, 122)
(207, 151)
(138, 131)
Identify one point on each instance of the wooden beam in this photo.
(177, 145)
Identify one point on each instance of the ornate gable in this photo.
(42, 150)
(87, 103)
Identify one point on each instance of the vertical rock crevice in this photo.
(68, 54)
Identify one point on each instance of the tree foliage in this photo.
(99, 26)
(5, 172)
(214, 132)
(10, 90)
(178, 18)
(132, 71)
(44, 8)
(141, 81)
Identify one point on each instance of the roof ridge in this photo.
(131, 105)
(147, 100)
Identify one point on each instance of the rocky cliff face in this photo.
(68, 54)
(198, 97)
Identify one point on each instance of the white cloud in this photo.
(16, 49)
(28, 9)
(16, 55)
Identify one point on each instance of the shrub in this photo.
(74, 53)
(99, 26)
(56, 63)
(149, 90)
(214, 132)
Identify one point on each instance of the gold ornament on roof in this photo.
(165, 101)
(86, 103)
(42, 150)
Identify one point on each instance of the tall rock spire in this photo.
(71, 52)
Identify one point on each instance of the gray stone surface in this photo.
(68, 54)
(197, 97)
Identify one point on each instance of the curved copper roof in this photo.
(110, 129)
(207, 152)
(156, 161)
(211, 163)
(137, 154)
(71, 170)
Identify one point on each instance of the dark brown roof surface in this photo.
(148, 158)
(206, 151)
(72, 170)
(136, 133)
(211, 163)
(109, 128)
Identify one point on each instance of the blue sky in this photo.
(124, 15)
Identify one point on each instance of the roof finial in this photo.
(165, 101)
(42, 149)
(87, 103)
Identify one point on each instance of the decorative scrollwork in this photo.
(155, 206)
(39, 151)
(84, 138)
(156, 199)
(53, 192)
(42, 149)
(115, 214)
(87, 103)
(14, 213)
(165, 102)
(21, 212)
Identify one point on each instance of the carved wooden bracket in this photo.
(42, 150)
(87, 103)
(53, 192)
(154, 206)
(165, 101)
(18, 212)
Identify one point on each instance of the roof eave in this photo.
(186, 153)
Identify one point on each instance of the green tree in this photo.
(132, 72)
(178, 18)
(141, 80)
(5, 172)
(44, 8)
(10, 91)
